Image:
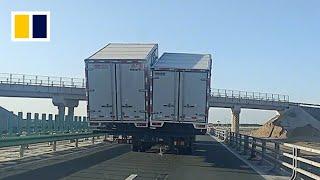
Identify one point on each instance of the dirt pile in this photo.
(291, 123)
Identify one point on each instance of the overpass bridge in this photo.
(64, 92)
(236, 100)
(223, 98)
(67, 92)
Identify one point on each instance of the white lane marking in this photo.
(245, 161)
(131, 177)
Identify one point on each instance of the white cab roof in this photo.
(123, 51)
(184, 61)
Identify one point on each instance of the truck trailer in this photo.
(117, 81)
(132, 92)
(180, 88)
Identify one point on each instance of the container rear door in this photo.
(100, 77)
(132, 92)
(193, 93)
(165, 94)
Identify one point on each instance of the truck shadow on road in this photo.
(66, 168)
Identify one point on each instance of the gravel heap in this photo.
(291, 123)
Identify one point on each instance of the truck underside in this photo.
(172, 137)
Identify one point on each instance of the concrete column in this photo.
(75, 124)
(36, 122)
(79, 124)
(235, 119)
(70, 118)
(61, 114)
(28, 123)
(62, 102)
(85, 123)
(44, 122)
(56, 123)
(20, 123)
(50, 123)
(65, 123)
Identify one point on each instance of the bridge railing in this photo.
(235, 94)
(301, 161)
(23, 79)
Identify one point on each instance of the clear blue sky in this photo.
(268, 46)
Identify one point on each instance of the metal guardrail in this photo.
(24, 141)
(277, 153)
(35, 80)
(221, 134)
(235, 94)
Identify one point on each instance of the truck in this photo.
(180, 88)
(133, 93)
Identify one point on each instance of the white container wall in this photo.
(118, 83)
(180, 89)
(102, 96)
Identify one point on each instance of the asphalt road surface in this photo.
(209, 161)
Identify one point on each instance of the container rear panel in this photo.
(179, 96)
(131, 92)
(165, 88)
(100, 77)
(193, 97)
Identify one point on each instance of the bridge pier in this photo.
(63, 102)
(61, 114)
(235, 119)
(70, 118)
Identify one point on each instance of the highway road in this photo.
(209, 161)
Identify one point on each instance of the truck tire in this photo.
(189, 149)
(135, 148)
(136, 144)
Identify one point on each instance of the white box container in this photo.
(118, 83)
(180, 89)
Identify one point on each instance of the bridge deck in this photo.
(223, 98)
(210, 161)
(34, 86)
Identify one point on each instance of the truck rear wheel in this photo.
(136, 145)
(140, 146)
(184, 145)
